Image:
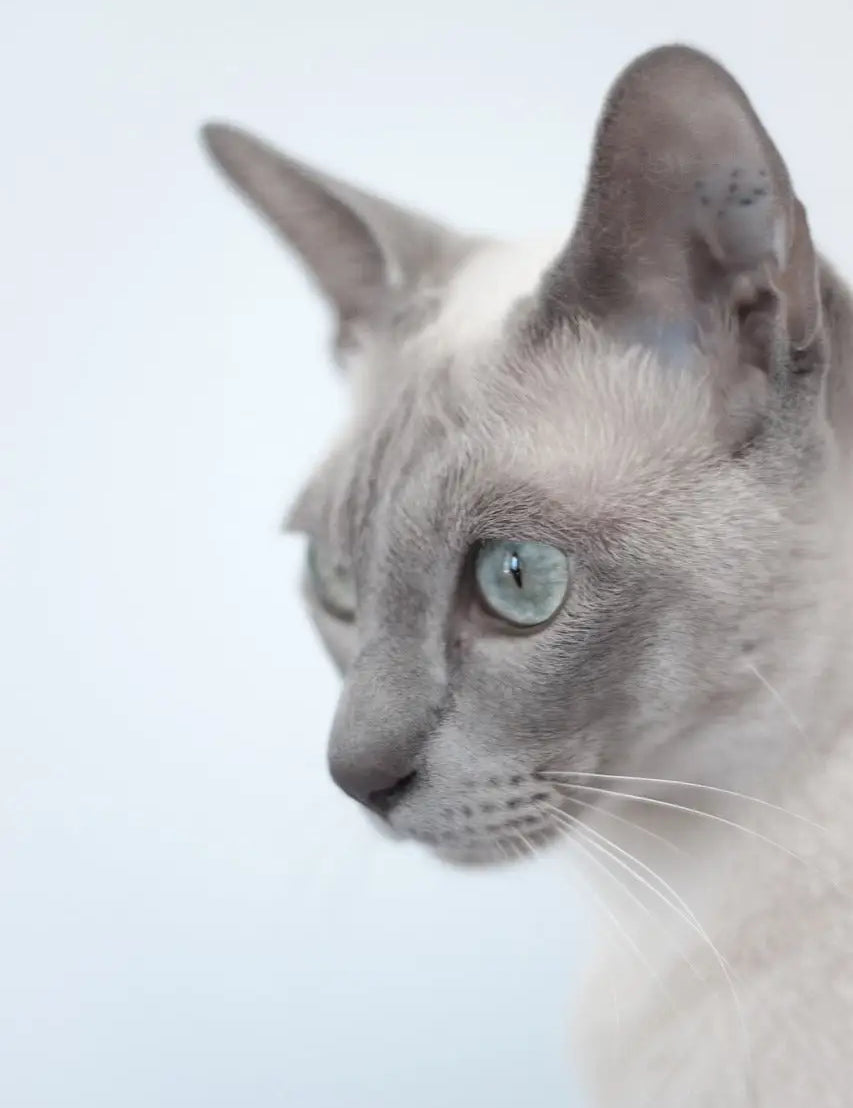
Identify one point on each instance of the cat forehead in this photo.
(454, 321)
(583, 421)
(451, 403)
(464, 344)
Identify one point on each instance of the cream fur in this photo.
(676, 415)
(778, 1032)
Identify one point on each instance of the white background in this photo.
(190, 915)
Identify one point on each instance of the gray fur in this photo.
(368, 256)
(671, 405)
(680, 547)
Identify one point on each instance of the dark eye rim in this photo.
(321, 595)
(497, 620)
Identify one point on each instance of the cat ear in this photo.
(689, 214)
(359, 249)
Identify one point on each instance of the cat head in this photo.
(575, 522)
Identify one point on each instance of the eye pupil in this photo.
(523, 583)
(515, 569)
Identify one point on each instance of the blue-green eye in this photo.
(522, 582)
(332, 581)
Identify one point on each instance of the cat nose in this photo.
(373, 786)
(384, 719)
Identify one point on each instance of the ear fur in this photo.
(689, 218)
(360, 249)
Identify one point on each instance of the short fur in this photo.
(668, 399)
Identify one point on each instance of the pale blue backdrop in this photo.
(189, 914)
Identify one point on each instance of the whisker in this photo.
(627, 854)
(678, 903)
(530, 847)
(611, 915)
(777, 696)
(614, 922)
(681, 908)
(687, 785)
(519, 855)
(628, 823)
(672, 805)
(577, 828)
(504, 852)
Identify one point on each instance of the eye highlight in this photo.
(332, 582)
(524, 583)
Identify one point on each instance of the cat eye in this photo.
(332, 581)
(524, 583)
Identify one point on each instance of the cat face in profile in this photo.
(575, 522)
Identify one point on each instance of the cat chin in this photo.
(473, 857)
(495, 853)
(461, 855)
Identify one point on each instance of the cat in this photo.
(582, 555)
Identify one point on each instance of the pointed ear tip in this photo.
(681, 51)
(215, 134)
(675, 55)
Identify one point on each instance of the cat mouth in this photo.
(386, 829)
(494, 822)
(501, 821)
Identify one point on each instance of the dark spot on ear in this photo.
(467, 811)
(539, 796)
(531, 819)
(759, 192)
(516, 780)
(514, 803)
(745, 201)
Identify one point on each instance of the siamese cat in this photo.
(583, 554)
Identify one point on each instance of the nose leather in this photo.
(370, 780)
(382, 799)
(382, 723)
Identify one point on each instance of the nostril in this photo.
(383, 800)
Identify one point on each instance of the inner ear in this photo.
(689, 217)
